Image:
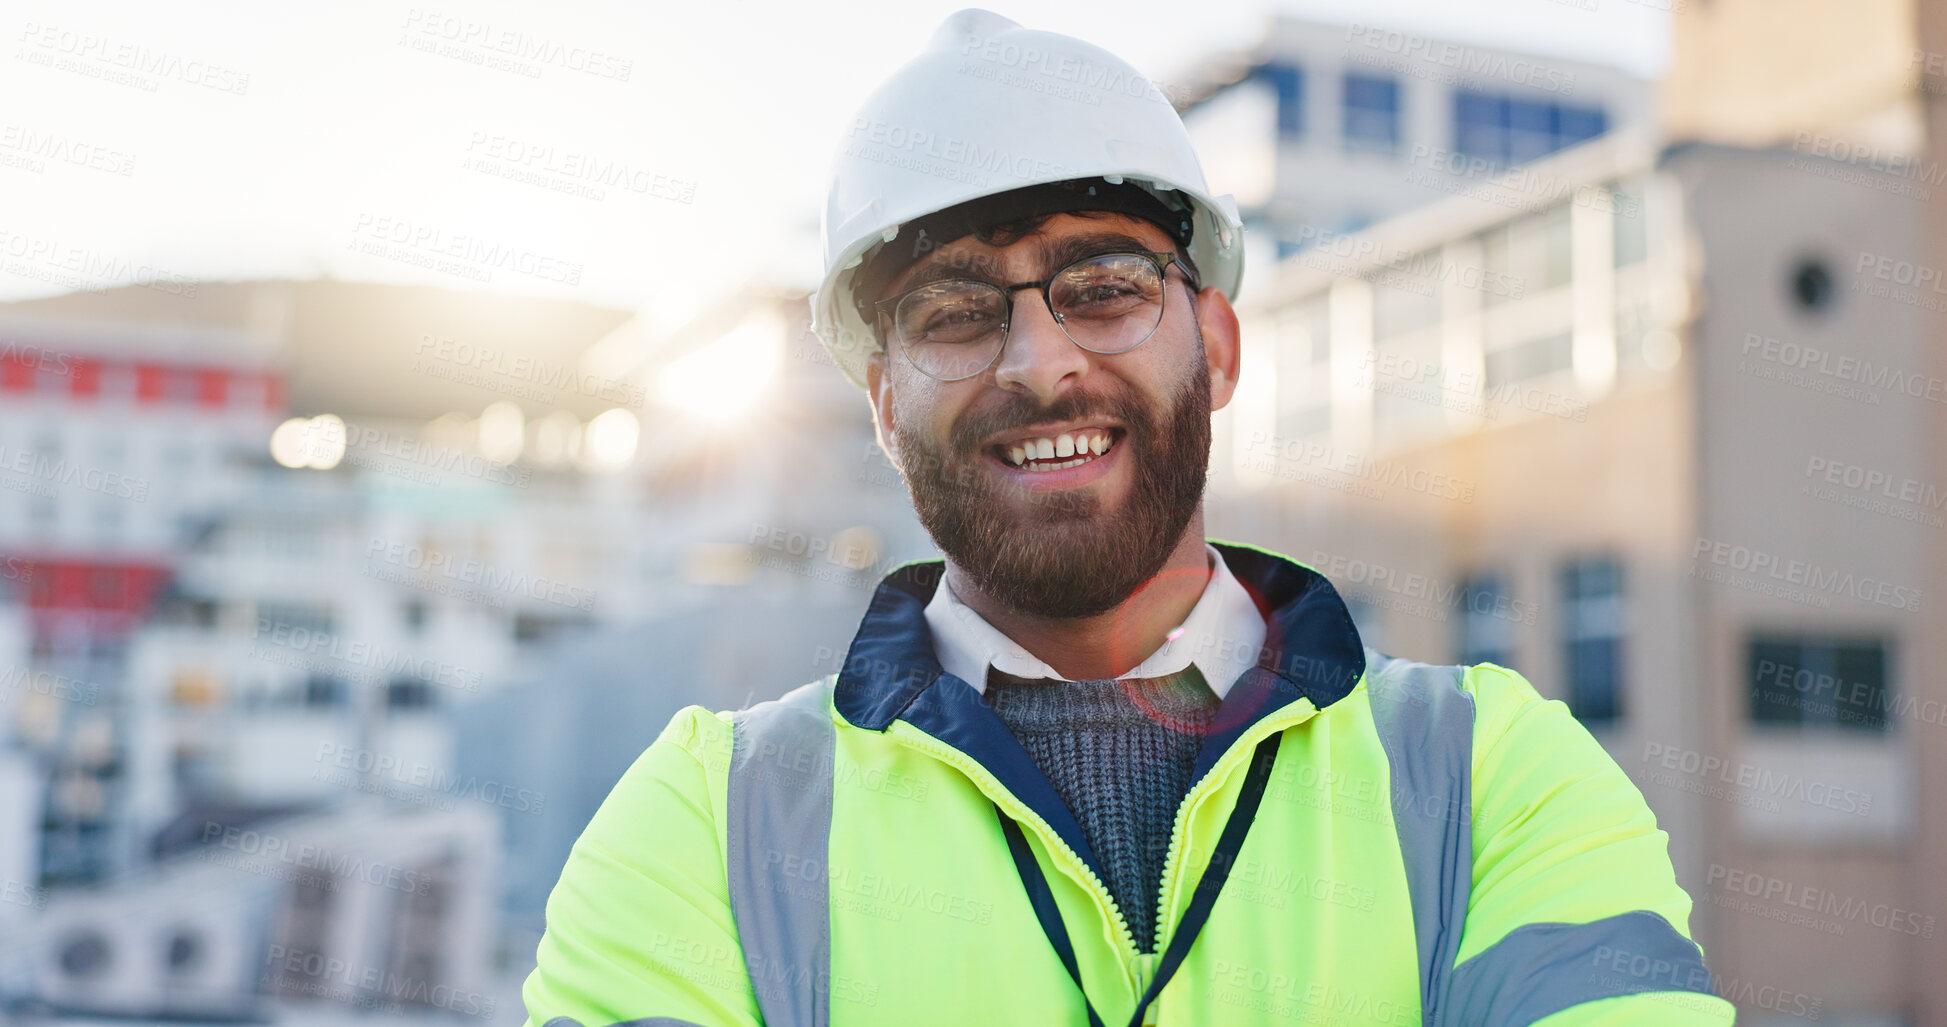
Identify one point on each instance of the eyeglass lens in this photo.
(1107, 304)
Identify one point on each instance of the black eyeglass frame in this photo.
(1162, 259)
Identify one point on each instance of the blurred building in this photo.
(1651, 427)
(399, 577)
(226, 619)
(772, 516)
(1322, 129)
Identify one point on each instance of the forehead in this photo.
(1034, 254)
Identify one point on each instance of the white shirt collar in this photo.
(1222, 636)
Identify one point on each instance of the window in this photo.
(1371, 114)
(1527, 255)
(1531, 358)
(1288, 81)
(1487, 619)
(1592, 636)
(1408, 298)
(314, 618)
(1818, 682)
(323, 691)
(409, 693)
(1507, 129)
(1304, 369)
(1632, 242)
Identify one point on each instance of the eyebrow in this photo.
(1054, 256)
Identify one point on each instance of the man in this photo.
(1091, 768)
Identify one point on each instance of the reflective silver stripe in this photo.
(778, 826)
(654, 1021)
(1425, 721)
(1540, 969)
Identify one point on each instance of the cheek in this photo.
(919, 413)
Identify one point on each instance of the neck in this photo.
(1110, 643)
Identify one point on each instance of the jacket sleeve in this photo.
(1575, 916)
(639, 925)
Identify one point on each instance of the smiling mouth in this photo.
(1057, 452)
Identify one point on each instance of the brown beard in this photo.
(1066, 557)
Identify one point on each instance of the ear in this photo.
(878, 389)
(1220, 344)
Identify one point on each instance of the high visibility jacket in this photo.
(1431, 845)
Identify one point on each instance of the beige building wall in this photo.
(1758, 72)
(1929, 650)
(1665, 438)
(1787, 391)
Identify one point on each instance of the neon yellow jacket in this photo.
(1430, 845)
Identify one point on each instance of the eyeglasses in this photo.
(1108, 303)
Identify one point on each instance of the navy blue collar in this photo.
(1311, 651)
(1310, 643)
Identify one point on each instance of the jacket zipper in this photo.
(1220, 772)
(1291, 716)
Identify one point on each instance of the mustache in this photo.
(1023, 412)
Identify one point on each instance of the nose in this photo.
(1038, 357)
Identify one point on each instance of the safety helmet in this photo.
(988, 108)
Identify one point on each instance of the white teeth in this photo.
(1082, 446)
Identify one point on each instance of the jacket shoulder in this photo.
(1487, 695)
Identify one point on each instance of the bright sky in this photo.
(261, 140)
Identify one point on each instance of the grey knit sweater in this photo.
(1119, 754)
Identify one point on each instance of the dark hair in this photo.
(1007, 233)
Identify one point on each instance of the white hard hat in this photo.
(988, 108)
